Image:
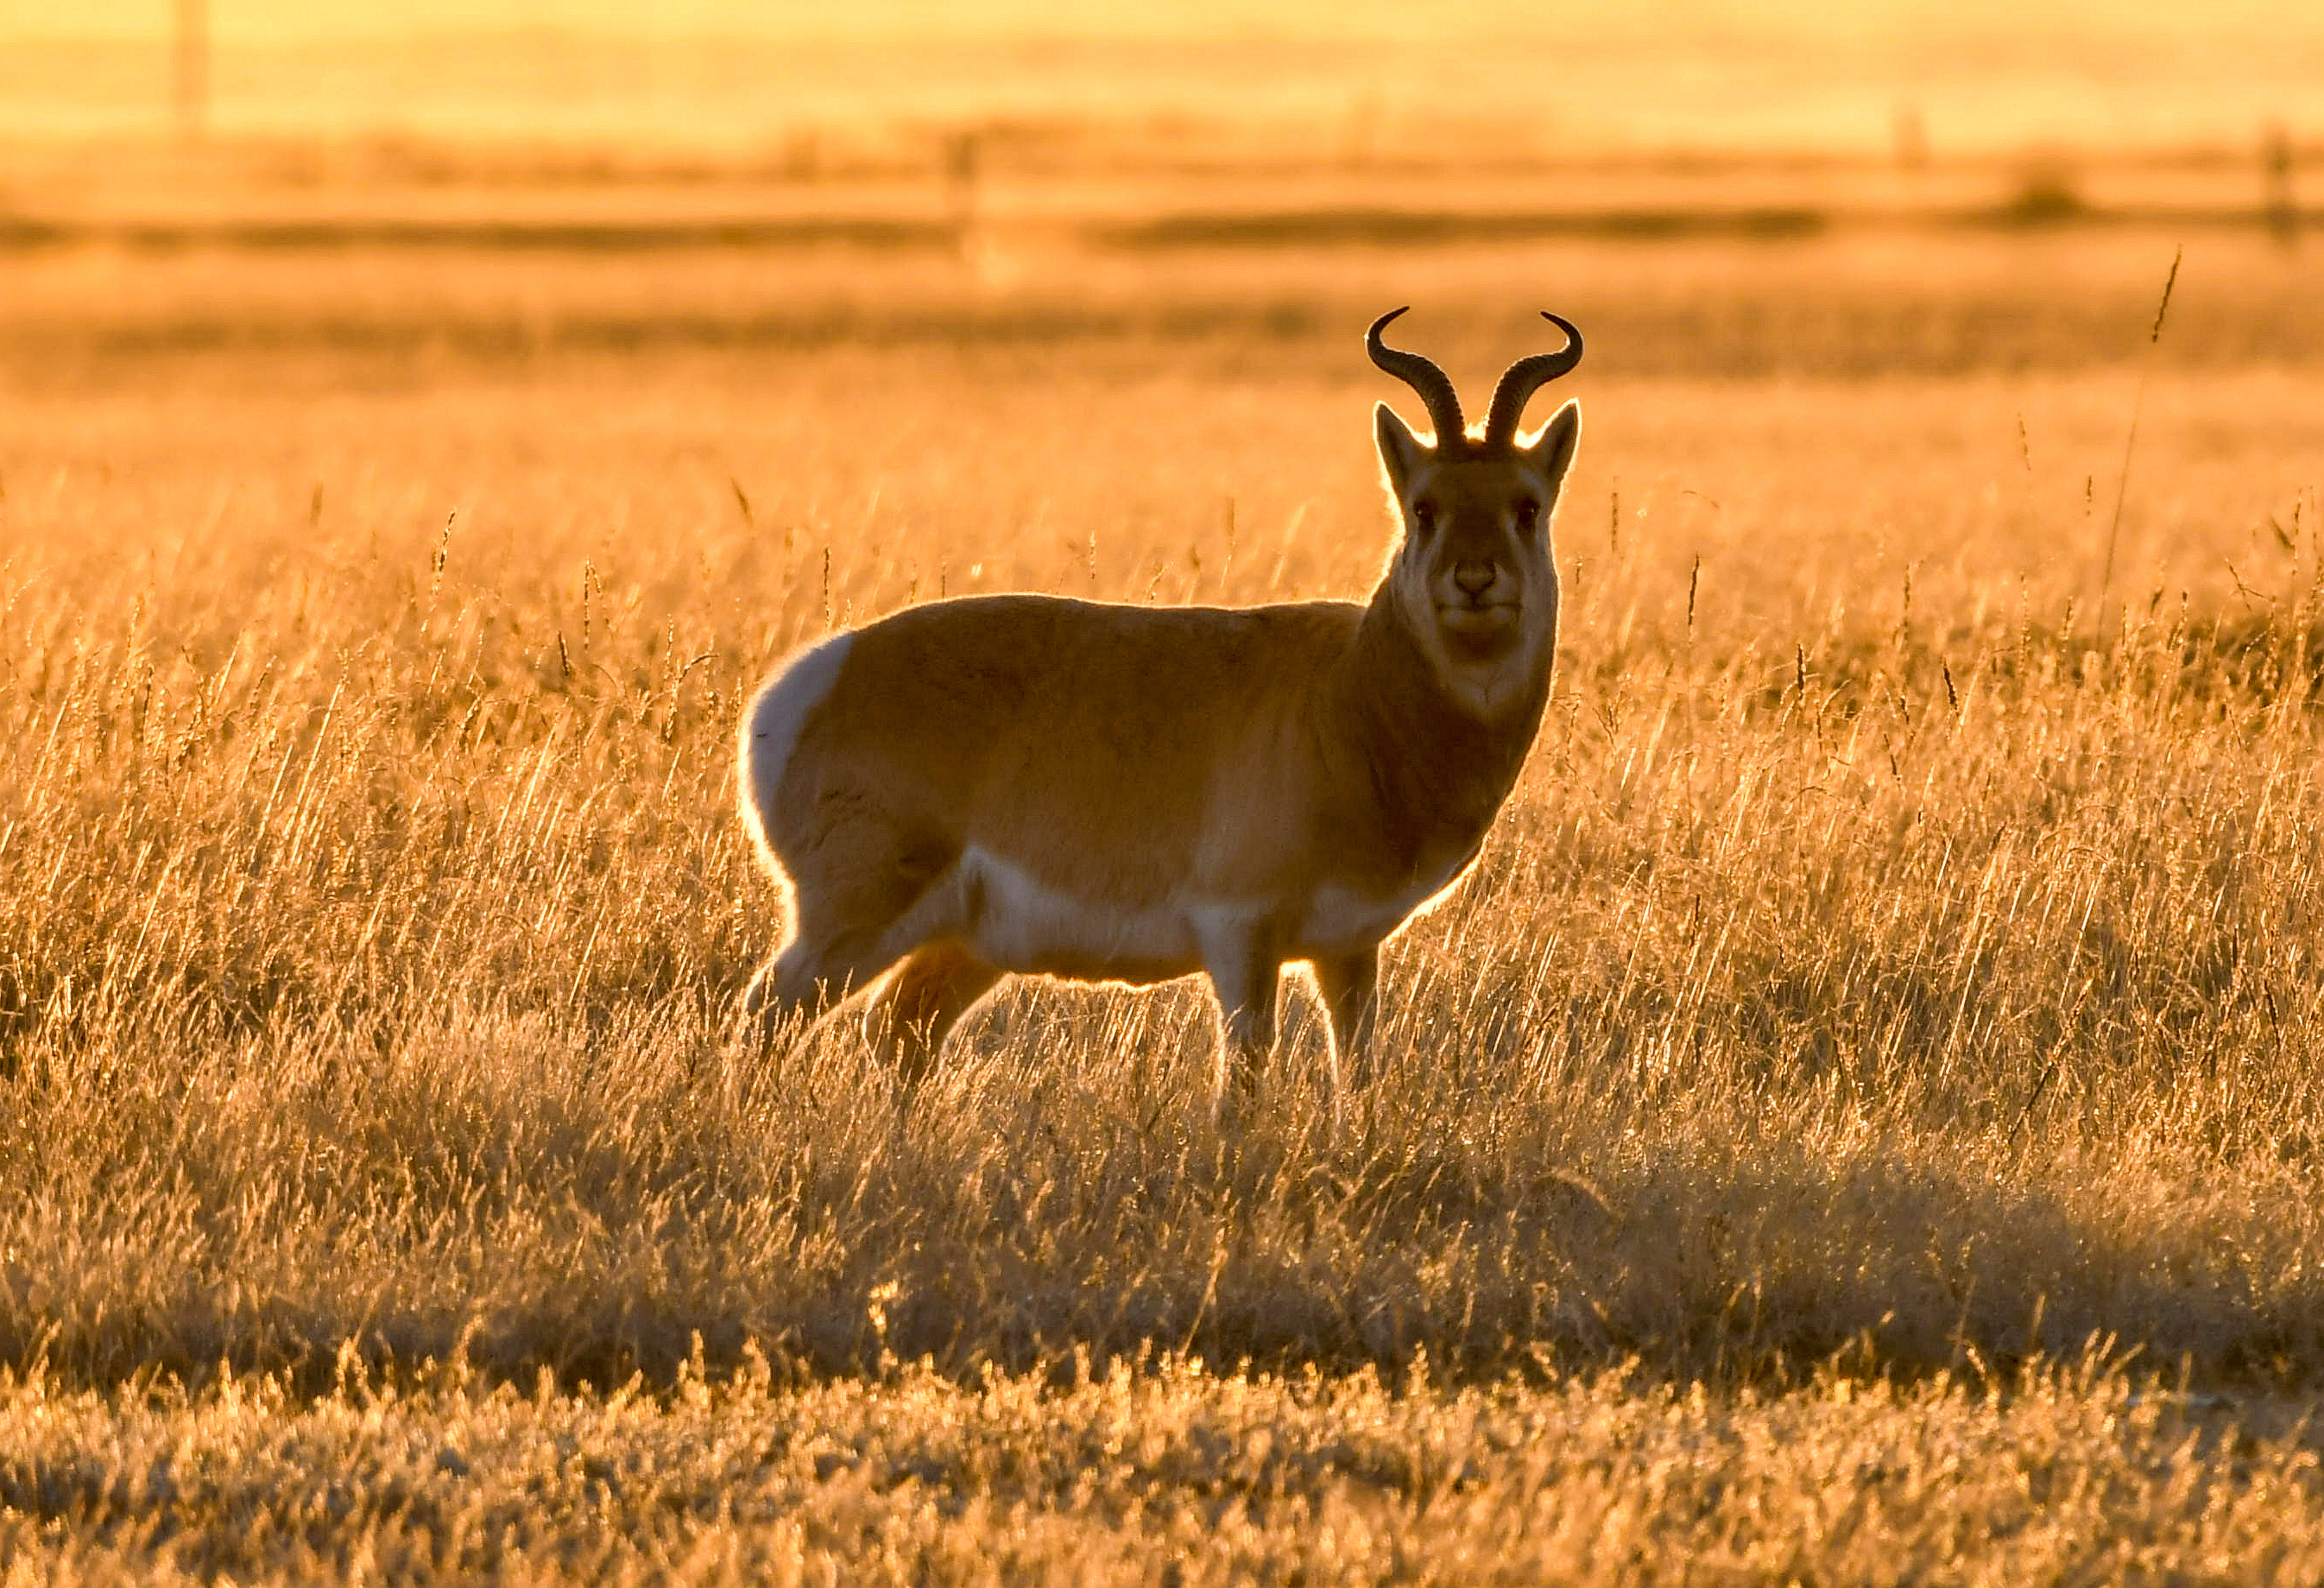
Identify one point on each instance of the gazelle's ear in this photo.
(1551, 447)
(1401, 450)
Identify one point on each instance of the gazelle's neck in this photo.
(1437, 770)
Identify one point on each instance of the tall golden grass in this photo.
(1896, 974)
(1161, 1474)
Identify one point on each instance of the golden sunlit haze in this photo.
(1578, 76)
(1859, 1122)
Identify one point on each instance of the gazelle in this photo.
(1028, 784)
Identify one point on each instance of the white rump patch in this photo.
(771, 732)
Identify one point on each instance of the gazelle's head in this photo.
(1474, 578)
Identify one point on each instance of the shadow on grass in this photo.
(496, 1197)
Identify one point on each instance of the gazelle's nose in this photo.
(1475, 577)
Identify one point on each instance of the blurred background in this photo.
(869, 81)
(776, 212)
(1056, 110)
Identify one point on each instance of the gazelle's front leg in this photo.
(1245, 970)
(1351, 987)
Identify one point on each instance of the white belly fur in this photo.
(1020, 923)
(1015, 921)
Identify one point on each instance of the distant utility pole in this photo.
(192, 76)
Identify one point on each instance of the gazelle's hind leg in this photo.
(916, 1009)
(809, 979)
(854, 904)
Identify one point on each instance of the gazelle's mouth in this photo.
(1478, 632)
(1476, 616)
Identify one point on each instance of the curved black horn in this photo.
(1434, 386)
(1526, 376)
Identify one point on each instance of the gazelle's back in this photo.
(1064, 736)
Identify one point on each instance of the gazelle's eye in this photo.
(1528, 512)
(1424, 516)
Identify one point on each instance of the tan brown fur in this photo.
(1029, 784)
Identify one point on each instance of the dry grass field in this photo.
(1860, 1123)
